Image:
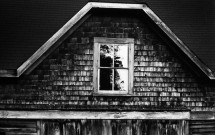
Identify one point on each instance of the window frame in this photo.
(121, 41)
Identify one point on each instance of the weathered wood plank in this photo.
(126, 127)
(202, 115)
(131, 68)
(202, 127)
(39, 127)
(8, 73)
(203, 134)
(114, 40)
(20, 123)
(116, 5)
(93, 115)
(14, 129)
(15, 133)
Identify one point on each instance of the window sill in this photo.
(112, 95)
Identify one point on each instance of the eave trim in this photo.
(8, 73)
(45, 47)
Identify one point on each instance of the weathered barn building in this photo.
(122, 67)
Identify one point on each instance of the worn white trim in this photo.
(93, 115)
(8, 73)
(27, 64)
(116, 5)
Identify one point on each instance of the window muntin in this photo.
(113, 65)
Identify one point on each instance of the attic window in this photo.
(113, 65)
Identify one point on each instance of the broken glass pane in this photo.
(121, 56)
(121, 79)
(106, 55)
(106, 79)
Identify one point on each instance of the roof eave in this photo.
(8, 73)
(206, 70)
(28, 63)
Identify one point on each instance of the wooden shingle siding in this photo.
(64, 80)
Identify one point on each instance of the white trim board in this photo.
(93, 115)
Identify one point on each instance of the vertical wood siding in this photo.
(117, 127)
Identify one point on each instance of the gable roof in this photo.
(21, 69)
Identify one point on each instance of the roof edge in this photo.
(206, 70)
(8, 73)
(53, 39)
(29, 62)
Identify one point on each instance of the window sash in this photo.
(129, 42)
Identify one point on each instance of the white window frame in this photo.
(121, 41)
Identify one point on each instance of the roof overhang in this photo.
(76, 18)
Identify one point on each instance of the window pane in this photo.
(121, 56)
(106, 55)
(121, 79)
(106, 79)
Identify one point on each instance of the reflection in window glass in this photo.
(121, 79)
(106, 55)
(121, 56)
(106, 79)
(113, 72)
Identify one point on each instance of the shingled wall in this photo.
(64, 80)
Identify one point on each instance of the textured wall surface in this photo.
(17, 127)
(64, 80)
(202, 127)
(116, 127)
